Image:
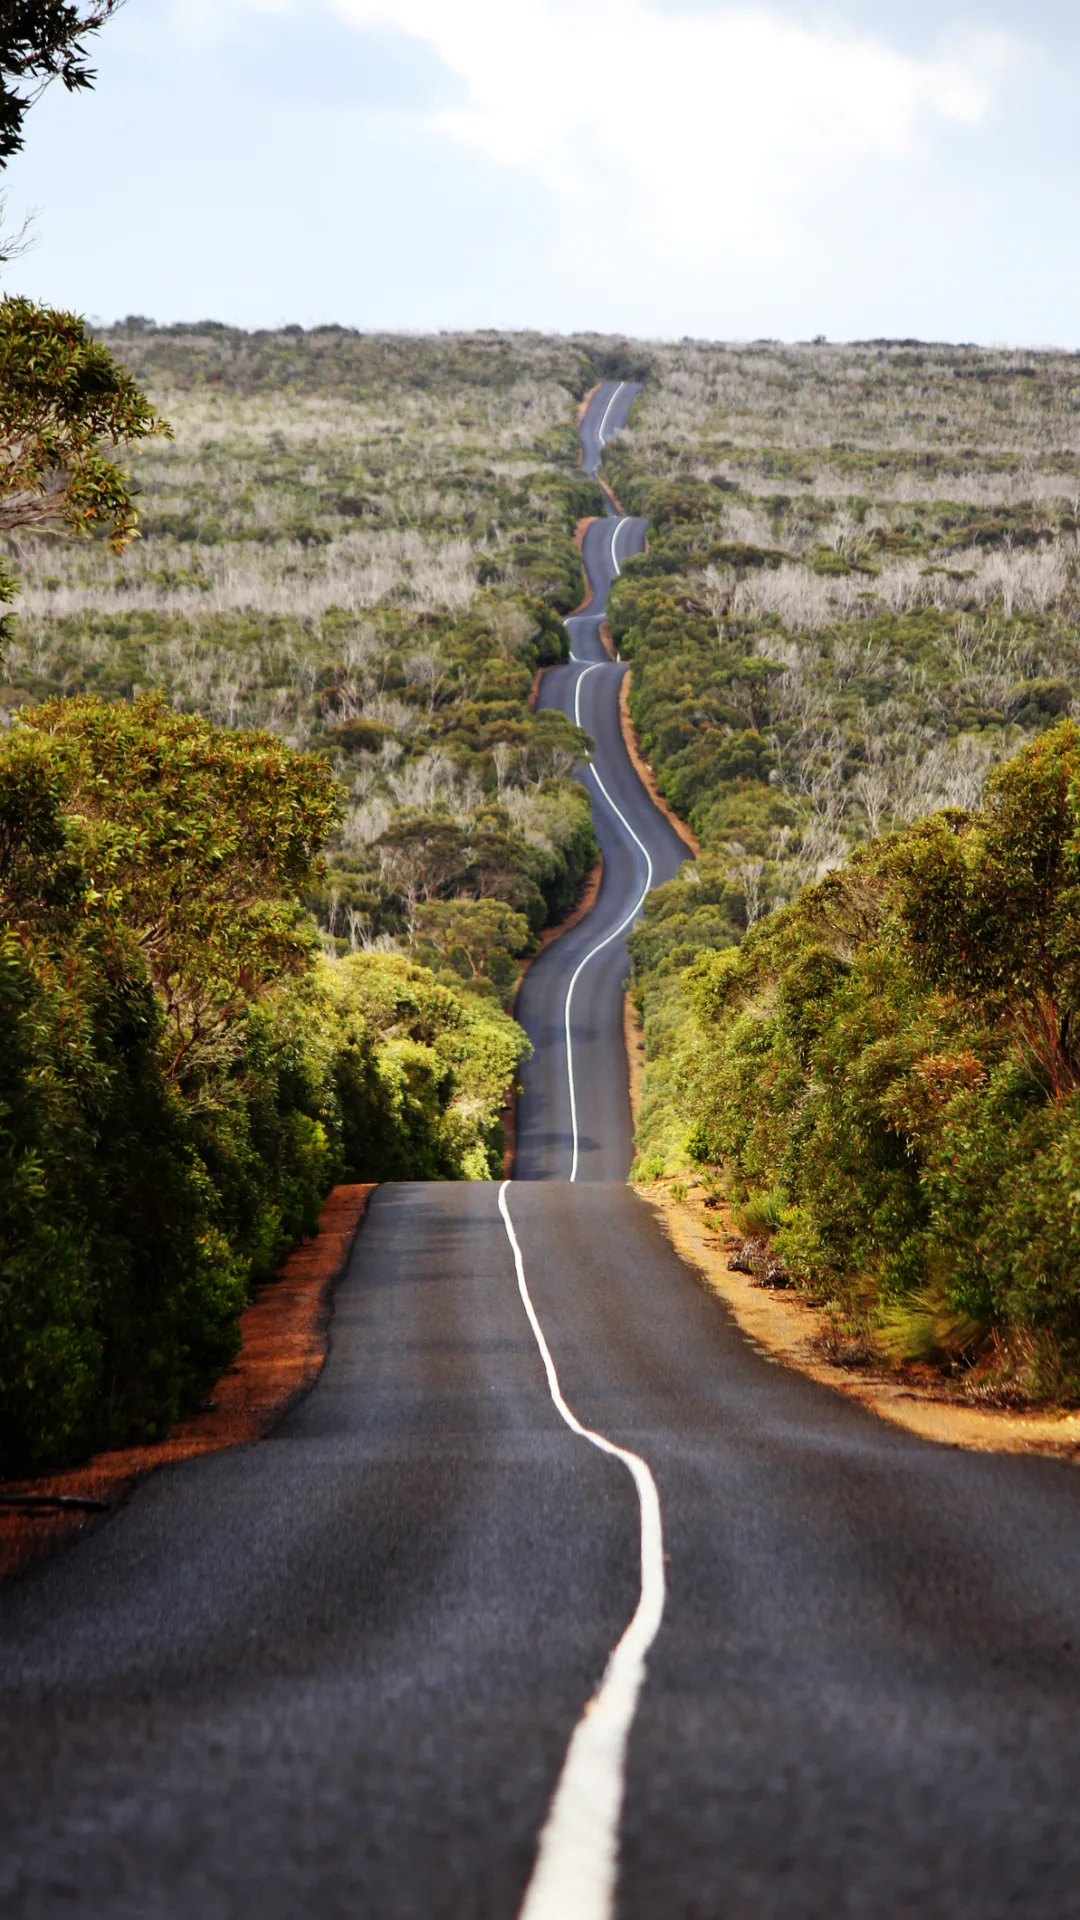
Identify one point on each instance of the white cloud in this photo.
(655, 166)
(725, 117)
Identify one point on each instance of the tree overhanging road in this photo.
(337, 1673)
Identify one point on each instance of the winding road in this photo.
(345, 1672)
(573, 1117)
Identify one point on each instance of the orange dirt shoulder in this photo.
(789, 1328)
(634, 1037)
(583, 408)
(645, 773)
(284, 1336)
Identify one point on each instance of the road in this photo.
(341, 1673)
(573, 1117)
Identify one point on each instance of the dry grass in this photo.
(903, 398)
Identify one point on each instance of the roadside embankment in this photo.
(634, 1037)
(580, 530)
(583, 408)
(284, 1341)
(788, 1328)
(645, 773)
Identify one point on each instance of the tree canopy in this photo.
(183, 1074)
(207, 838)
(64, 403)
(42, 40)
(885, 1077)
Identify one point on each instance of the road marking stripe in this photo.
(601, 944)
(577, 1860)
(607, 410)
(619, 525)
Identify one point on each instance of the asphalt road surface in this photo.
(579, 1127)
(339, 1673)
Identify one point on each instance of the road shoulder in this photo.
(790, 1329)
(284, 1340)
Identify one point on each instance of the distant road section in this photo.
(605, 414)
(573, 1117)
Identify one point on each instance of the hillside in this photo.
(859, 609)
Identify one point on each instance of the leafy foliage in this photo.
(41, 40)
(62, 399)
(886, 1071)
(192, 1060)
(183, 1073)
(479, 938)
(859, 598)
(207, 839)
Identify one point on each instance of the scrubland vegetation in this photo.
(365, 545)
(859, 609)
(276, 825)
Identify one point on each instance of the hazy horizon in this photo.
(659, 170)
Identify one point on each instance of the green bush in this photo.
(119, 1295)
(183, 1074)
(892, 1064)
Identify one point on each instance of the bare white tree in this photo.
(747, 871)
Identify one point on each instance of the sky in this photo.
(658, 168)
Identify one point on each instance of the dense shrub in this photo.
(816, 667)
(119, 1298)
(183, 1073)
(888, 1073)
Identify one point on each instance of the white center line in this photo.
(607, 940)
(607, 410)
(577, 1861)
